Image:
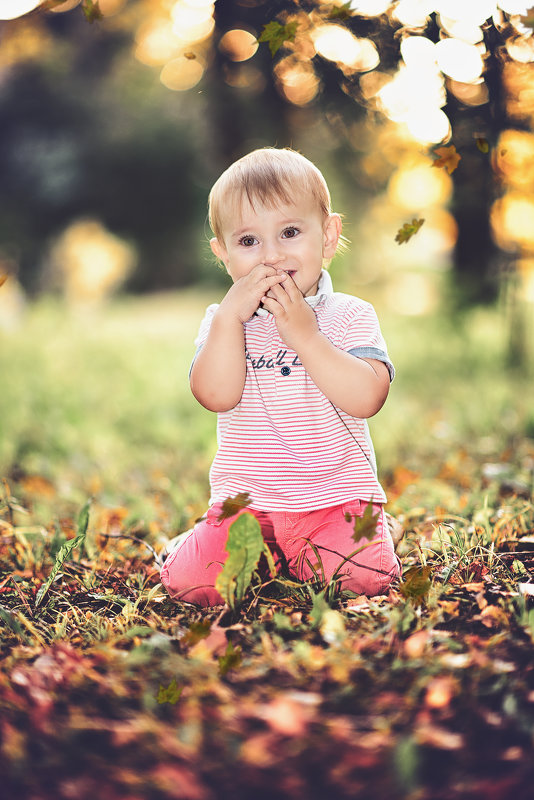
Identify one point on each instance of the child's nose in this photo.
(272, 255)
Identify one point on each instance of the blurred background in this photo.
(117, 116)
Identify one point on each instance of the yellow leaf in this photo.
(482, 144)
(447, 158)
(3, 279)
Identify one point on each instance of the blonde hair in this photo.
(264, 177)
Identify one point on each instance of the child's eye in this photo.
(248, 241)
(290, 233)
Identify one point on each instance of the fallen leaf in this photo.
(448, 158)
(408, 230)
(440, 691)
(416, 584)
(171, 693)
(230, 660)
(415, 645)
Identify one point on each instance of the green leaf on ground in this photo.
(65, 551)
(171, 693)
(416, 584)
(230, 660)
(244, 547)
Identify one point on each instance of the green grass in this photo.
(99, 402)
(110, 689)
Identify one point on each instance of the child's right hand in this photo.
(244, 296)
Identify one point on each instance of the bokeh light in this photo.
(459, 60)
(90, 261)
(414, 13)
(156, 42)
(369, 8)
(512, 221)
(297, 80)
(338, 44)
(415, 96)
(11, 9)
(515, 158)
(66, 6)
(473, 12)
(238, 44)
(418, 52)
(419, 187)
(521, 48)
(181, 74)
(192, 21)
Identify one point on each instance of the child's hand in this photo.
(245, 296)
(295, 320)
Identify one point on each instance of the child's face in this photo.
(295, 238)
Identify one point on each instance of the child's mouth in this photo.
(291, 272)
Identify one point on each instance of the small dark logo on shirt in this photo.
(270, 363)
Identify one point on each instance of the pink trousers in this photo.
(189, 572)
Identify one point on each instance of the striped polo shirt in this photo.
(285, 443)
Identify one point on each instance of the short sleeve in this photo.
(205, 325)
(203, 331)
(362, 336)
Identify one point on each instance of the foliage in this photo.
(408, 230)
(275, 35)
(244, 547)
(449, 158)
(110, 689)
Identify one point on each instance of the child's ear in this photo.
(332, 232)
(219, 250)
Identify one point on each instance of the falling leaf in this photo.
(230, 660)
(528, 18)
(244, 547)
(447, 158)
(232, 505)
(416, 584)
(405, 233)
(91, 10)
(482, 144)
(190, 56)
(341, 13)
(276, 34)
(365, 526)
(171, 693)
(3, 279)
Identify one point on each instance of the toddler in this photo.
(293, 369)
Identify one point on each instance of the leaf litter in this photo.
(110, 689)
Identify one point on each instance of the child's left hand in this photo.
(295, 319)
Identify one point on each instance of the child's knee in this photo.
(190, 572)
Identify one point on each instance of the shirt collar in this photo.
(324, 289)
